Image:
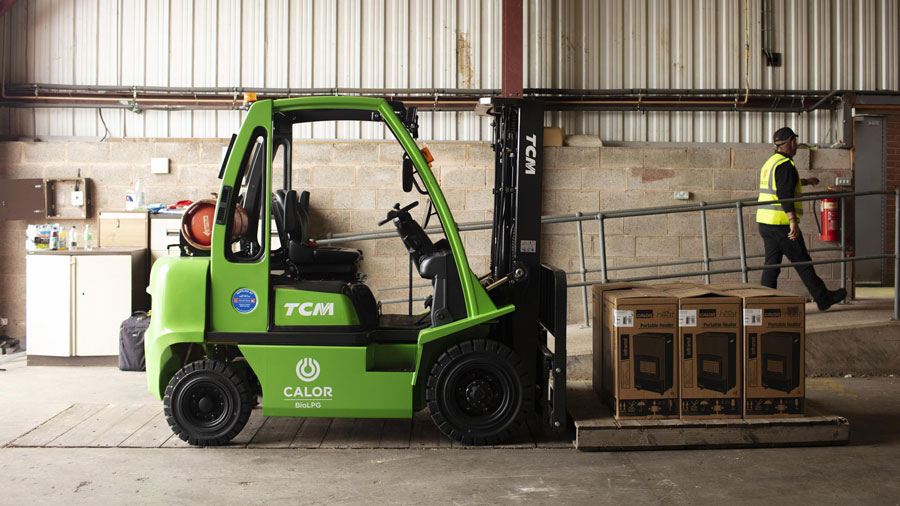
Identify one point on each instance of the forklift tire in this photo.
(207, 403)
(477, 392)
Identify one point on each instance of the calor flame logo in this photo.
(308, 369)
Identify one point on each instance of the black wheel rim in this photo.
(480, 395)
(205, 405)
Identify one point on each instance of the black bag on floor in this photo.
(131, 342)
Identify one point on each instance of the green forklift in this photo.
(254, 313)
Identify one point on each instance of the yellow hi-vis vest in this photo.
(773, 214)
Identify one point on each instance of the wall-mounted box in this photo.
(159, 165)
(58, 198)
(21, 199)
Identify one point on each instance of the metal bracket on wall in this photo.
(56, 202)
(773, 58)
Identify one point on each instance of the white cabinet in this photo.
(75, 301)
(48, 307)
(165, 231)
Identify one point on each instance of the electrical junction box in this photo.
(159, 165)
(77, 198)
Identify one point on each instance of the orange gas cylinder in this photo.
(199, 218)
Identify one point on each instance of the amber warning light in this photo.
(427, 154)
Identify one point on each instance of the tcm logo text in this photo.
(531, 154)
(309, 308)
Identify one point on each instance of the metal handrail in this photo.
(702, 208)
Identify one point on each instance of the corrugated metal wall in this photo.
(826, 44)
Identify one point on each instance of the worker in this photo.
(779, 223)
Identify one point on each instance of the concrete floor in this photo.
(867, 471)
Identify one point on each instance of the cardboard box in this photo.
(597, 292)
(554, 136)
(774, 325)
(735, 285)
(640, 369)
(710, 352)
(677, 285)
(124, 228)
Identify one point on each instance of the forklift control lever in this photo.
(512, 276)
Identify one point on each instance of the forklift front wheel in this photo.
(476, 392)
(207, 403)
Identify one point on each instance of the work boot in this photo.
(831, 298)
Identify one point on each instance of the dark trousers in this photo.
(775, 238)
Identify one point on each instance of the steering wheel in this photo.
(397, 211)
(411, 233)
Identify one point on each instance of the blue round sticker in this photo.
(244, 300)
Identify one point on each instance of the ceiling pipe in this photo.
(31, 89)
(438, 100)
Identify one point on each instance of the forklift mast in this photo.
(538, 291)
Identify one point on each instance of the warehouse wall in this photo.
(353, 184)
(447, 44)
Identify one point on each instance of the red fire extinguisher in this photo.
(831, 225)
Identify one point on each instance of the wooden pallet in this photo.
(596, 429)
(144, 426)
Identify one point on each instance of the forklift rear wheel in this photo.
(207, 403)
(476, 392)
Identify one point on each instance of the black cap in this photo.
(783, 135)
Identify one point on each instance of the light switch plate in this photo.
(682, 195)
(77, 198)
(159, 165)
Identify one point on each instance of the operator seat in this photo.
(311, 261)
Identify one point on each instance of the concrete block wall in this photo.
(353, 184)
(636, 177)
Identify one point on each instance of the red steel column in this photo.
(511, 73)
(6, 5)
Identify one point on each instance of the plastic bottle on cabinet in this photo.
(54, 238)
(139, 195)
(31, 238)
(73, 239)
(88, 238)
(63, 238)
(43, 237)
